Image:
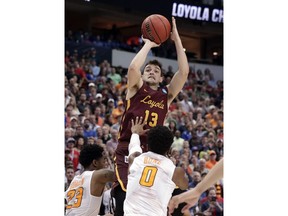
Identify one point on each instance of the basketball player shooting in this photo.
(145, 98)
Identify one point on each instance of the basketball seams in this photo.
(155, 30)
(160, 18)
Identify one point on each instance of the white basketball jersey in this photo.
(80, 202)
(150, 185)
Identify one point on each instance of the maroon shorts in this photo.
(121, 166)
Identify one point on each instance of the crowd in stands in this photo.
(114, 40)
(94, 95)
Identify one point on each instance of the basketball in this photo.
(156, 28)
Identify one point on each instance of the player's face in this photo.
(103, 161)
(152, 74)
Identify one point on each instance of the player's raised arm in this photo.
(134, 73)
(181, 75)
(191, 197)
(134, 145)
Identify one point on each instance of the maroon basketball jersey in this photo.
(148, 103)
(152, 106)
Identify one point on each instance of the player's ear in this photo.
(96, 163)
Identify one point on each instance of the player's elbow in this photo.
(110, 176)
(133, 68)
(185, 70)
(180, 178)
(184, 184)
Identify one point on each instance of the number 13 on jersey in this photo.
(154, 118)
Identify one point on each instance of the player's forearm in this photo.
(181, 57)
(214, 175)
(139, 58)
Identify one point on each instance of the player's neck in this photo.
(153, 86)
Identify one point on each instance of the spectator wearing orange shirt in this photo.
(212, 159)
(118, 111)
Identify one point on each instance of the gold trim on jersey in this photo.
(128, 104)
(123, 118)
(118, 177)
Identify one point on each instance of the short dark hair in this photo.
(155, 62)
(159, 139)
(90, 153)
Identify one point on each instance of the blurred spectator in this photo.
(82, 103)
(195, 151)
(91, 141)
(93, 123)
(112, 143)
(107, 202)
(68, 114)
(178, 141)
(202, 166)
(74, 153)
(186, 150)
(172, 125)
(67, 97)
(122, 85)
(75, 110)
(95, 69)
(186, 105)
(212, 159)
(219, 149)
(114, 76)
(219, 189)
(196, 178)
(91, 92)
(89, 74)
(194, 163)
(88, 131)
(69, 176)
(213, 204)
(118, 111)
(200, 131)
(80, 143)
(106, 134)
(81, 73)
(102, 110)
(98, 119)
(79, 133)
(187, 133)
(68, 133)
(116, 126)
(110, 106)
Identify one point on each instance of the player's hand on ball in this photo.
(153, 44)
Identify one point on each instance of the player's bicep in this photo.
(103, 176)
(180, 179)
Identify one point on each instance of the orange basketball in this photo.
(156, 28)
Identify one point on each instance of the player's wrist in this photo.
(135, 134)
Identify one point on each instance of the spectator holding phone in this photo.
(213, 205)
